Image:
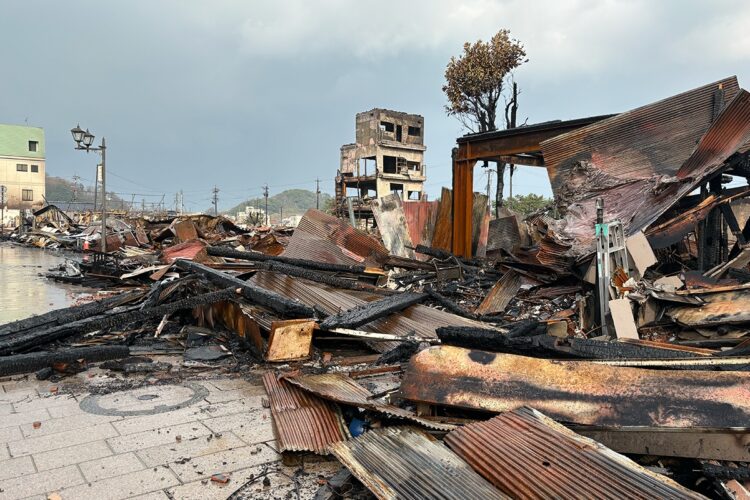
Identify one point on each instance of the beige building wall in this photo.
(16, 182)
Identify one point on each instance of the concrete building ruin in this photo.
(387, 157)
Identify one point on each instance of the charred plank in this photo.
(448, 304)
(307, 264)
(26, 341)
(488, 339)
(319, 277)
(69, 314)
(365, 313)
(277, 303)
(24, 363)
(602, 349)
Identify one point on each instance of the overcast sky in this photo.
(242, 93)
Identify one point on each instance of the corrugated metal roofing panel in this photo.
(655, 139)
(504, 290)
(325, 238)
(405, 463)
(303, 422)
(528, 455)
(417, 320)
(343, 389)
(639, 201)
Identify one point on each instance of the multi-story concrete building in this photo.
(387, 157)
(21, 168)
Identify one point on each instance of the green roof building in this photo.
(22, 168)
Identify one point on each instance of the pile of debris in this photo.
(531, 370)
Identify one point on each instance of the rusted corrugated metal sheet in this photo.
(343, 389)
(578, 391)
(324, 238)
(655, 139)
(418, 319)
(504, 234)
(641, 162)
(404, 463)
(303, 422)
(528, 455)
(420, 220)
(502, 293)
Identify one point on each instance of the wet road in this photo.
(23, 292)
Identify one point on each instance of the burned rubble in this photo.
(598, 347)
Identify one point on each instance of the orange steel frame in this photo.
(520, 146)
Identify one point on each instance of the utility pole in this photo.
(265, 195)
(96, 190)
(182, 202)
(103, 149)
(216, 200)
(489, 180)
(76, 178)
(2, 210)
(317, 194)
(84, 139)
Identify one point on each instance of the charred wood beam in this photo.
(528, 340)
(319, 277)
(443, 255)
(25, 363)
(724, 472)
(365, 313)
(601, 349)
(303, 263)
(271, 300)
(489, 339)
(448, 304)
(69, 314)
(26, 341)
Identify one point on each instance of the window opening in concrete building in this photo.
(22, 167)
(386, 127)
(414, 195)
(389, 165)
(415, 131)
(35, 168)
(33, 145)
(27, 195)
(397, 188)
(399, 132)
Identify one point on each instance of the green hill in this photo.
(293, 202)
(68, 195)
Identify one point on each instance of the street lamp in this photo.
(84, 139)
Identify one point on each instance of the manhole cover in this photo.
(145, 401)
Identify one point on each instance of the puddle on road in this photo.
(24, 291)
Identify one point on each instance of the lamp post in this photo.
(84, 139)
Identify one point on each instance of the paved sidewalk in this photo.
(158, 441)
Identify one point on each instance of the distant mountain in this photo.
(293, 202)
(68, 195)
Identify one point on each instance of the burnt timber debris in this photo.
(597, 347)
